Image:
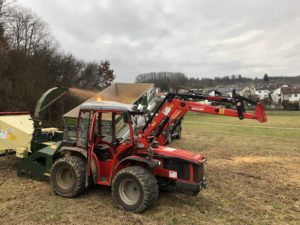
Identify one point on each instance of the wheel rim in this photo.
(129, 191)
(65, 177)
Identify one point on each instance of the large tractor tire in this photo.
(68, 175)
(134, 189)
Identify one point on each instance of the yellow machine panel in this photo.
(15, 132)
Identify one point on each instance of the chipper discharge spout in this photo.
(37, 160)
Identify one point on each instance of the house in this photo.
(214, 93)
(290, 93)
(226, 91)
(287, 93)
(276, 96)
(220, 91)
(248, 92)
(262, 93)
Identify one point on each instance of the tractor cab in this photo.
(104, 126)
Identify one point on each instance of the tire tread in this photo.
(148, 183)
(78, 165)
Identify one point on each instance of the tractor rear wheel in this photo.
(67, 176)
(134, 189)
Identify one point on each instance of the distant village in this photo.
(283, 97)
(281, 92)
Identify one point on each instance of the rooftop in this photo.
(290, 90)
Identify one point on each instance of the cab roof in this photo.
(108, 105)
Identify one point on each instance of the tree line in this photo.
(31, 62)
(164, 80)
(170, 81)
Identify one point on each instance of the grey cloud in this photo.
(197, 37)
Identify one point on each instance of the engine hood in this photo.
(179, 153)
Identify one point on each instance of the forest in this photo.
(31, 62)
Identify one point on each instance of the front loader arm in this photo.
(176, 105)
(259, 113)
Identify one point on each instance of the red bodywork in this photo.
(177, 109)
(13, 113)
(176, 169)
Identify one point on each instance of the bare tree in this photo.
(95, 76)
(3, 6)
(30, 63)
(25, 31)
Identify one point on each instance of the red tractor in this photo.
(134, 165)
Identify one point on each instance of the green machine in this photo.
(45, 141)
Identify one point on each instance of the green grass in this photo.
(248, 135)
(253, 178)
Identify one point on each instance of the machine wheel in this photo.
(134, 189)
(67, 176)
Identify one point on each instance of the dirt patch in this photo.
(283, 169)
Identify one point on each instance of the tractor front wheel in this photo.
(134, 189)
(67, 176)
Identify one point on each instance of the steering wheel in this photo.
(110, 145)
(118, 140)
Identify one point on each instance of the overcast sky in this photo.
(204, 38)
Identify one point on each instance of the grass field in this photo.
(253, 173)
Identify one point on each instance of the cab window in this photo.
(83, 129)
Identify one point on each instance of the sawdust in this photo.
(81, 93)
(95, 96)
(256, 159)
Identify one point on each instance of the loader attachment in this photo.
(240, 101)
(260, 113)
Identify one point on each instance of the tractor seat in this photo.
(101, 148)
(102, 152)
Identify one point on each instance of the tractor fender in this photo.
(83, 153)
(151, 163)
(66, 149)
